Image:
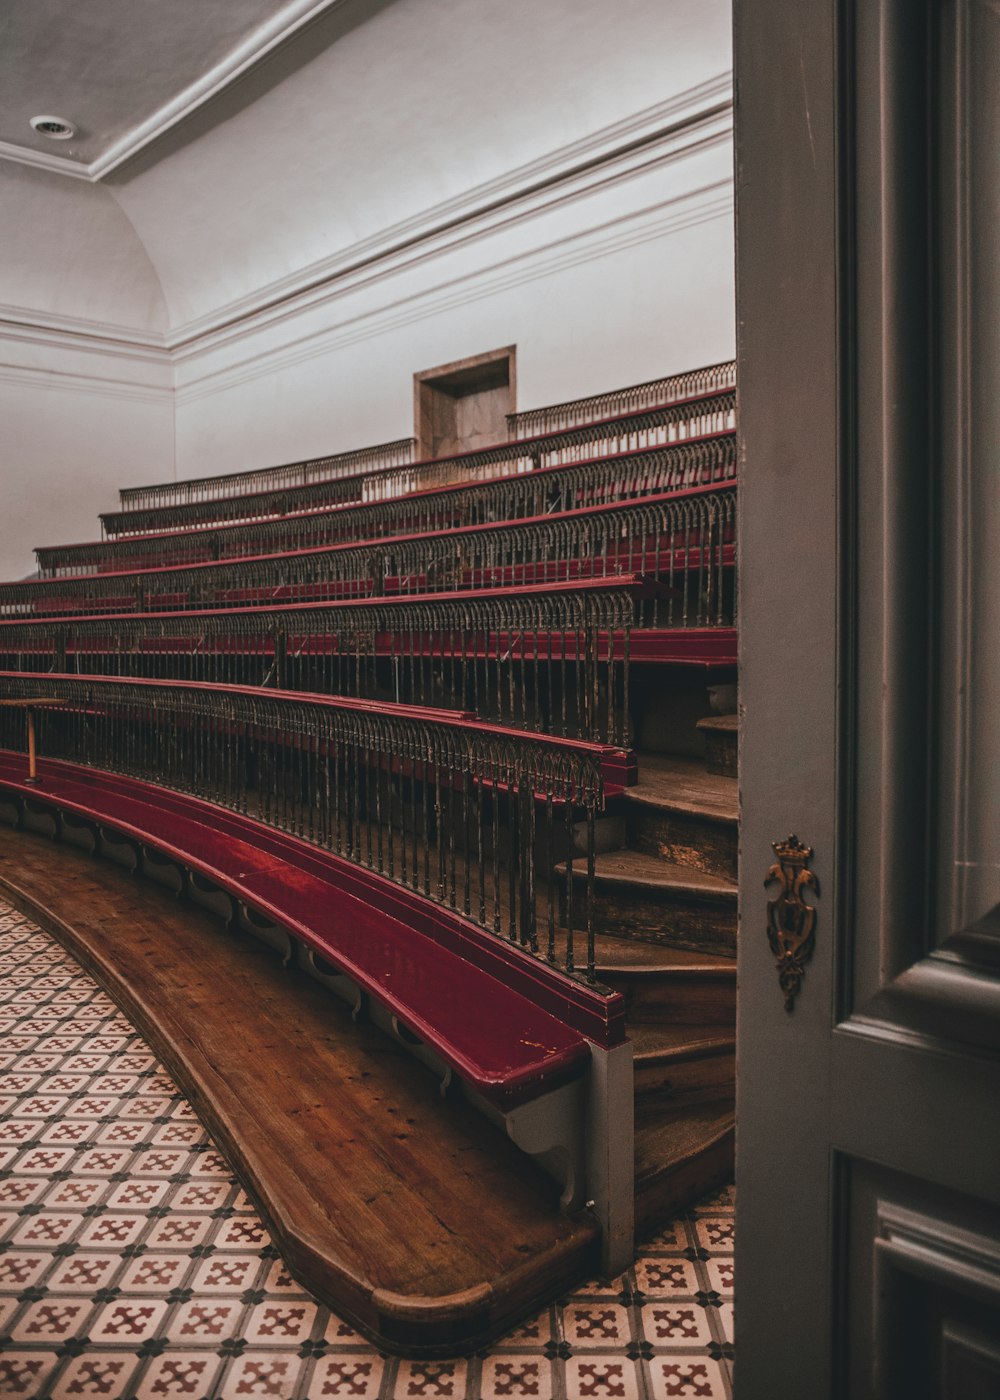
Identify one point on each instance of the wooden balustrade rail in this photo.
(290, 474)
(608, 480)
(685, 539)
(653, 427)
(472, 816)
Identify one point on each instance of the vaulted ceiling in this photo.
(224, 148)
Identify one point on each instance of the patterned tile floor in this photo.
(133, 1266)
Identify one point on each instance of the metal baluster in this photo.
(568, 817)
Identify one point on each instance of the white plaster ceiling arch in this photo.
(359, 116)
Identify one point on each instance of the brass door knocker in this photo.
(791, 923)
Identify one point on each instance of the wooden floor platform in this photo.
(411, 1216)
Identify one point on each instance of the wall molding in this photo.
(691, 124)
(699, 116)
(70, 381)
(295, 17)
(697, 207)
(81, 333)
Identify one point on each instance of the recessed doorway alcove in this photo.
(462, 406)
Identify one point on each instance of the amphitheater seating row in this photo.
(606, 480)
(653, 427)
(432, 725)
(685, 539)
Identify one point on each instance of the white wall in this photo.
(70, 437)
(614, 319)
(69, 251)
(609, 266)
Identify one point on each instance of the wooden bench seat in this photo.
(530, 1048)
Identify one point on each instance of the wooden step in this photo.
(721, 744)
(408, 1214)
(640, 897)
(679, 812)
(663, 985)
(685, 1064)
(679, 1153)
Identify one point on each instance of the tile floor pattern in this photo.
(133, 1266)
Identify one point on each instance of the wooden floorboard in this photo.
(409, 1214)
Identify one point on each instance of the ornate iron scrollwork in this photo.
(791, 923)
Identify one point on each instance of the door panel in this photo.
(868, 285)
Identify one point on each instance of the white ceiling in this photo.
(124, 71)
(236, 149)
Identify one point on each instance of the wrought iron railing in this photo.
(552, 662)
(686, 540)
(692, 384)
(476, 819)
(654, 427)
(292, 474)
(557, 489)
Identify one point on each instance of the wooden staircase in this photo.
(665, 911)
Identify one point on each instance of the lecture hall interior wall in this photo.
(399, 187)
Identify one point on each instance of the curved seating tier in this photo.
(379, 719)
(606, 480)
(653, 427)
(550, 658)
(689, 387)
(692, 384)
(403, 1209)
(455, 808)
(685, 538)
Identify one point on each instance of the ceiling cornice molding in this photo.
(32, 377)
(18, 323)
(294, 18)
(689, 122)
(685, 210)
(42, 160)
(699, 116)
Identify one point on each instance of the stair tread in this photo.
(650, 1040)
(630, 955)
(666, 1136)
(636, 869)
(720, 724)
(684, 785)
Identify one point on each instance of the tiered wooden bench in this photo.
(267, 738)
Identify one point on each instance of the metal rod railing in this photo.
(606, 480)
(652, 427)
(694, 383)
(425, 798)
(291, 474)
(686, 539)
(551, 662)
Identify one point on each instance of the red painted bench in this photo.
(531, 1048)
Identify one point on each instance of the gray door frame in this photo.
(868, 1155)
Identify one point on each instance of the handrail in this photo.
(653, 427)
(473, 817)
(622, 477)
(328, 468)
(550, 659)
(686, 538)
(690, 384)
(587, 410)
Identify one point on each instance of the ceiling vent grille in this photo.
(55, 128)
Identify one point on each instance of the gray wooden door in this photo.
(868, 273)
